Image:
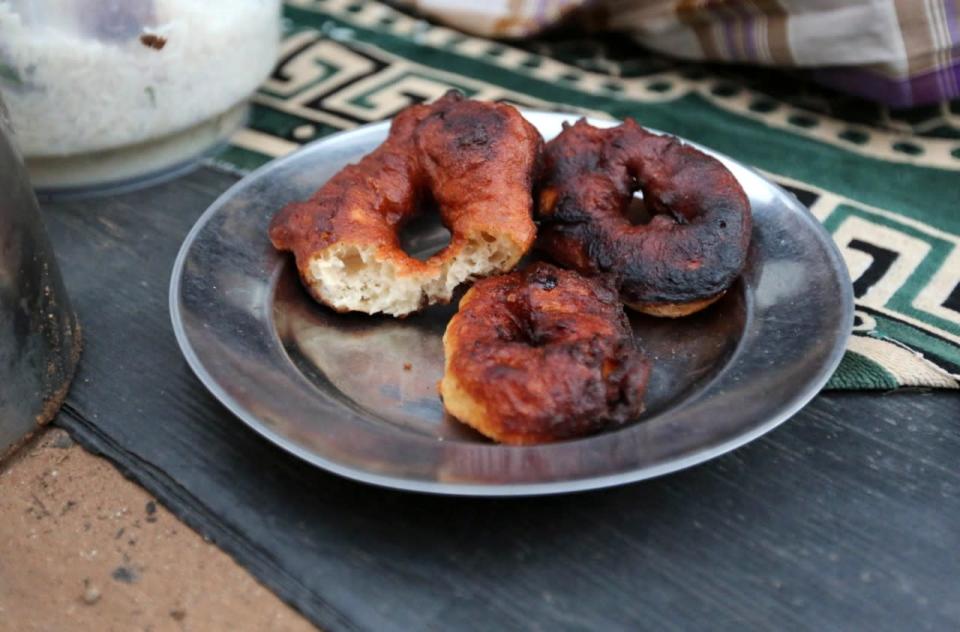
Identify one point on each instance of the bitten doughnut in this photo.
(540, 355)
(476, 161)
(688, 254)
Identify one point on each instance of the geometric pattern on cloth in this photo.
(895, 215)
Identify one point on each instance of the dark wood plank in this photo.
(845, 517)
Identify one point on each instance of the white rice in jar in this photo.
(82, 76)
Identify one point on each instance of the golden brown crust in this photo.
(476, 160)
(541, 355)
(688, 254)
(674, 310)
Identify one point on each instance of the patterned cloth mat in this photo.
(885, 184)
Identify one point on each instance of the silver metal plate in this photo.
(357, 394)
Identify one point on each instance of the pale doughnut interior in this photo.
(356, 277)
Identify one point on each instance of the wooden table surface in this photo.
(845, 517)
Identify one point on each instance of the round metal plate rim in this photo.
(788, 408)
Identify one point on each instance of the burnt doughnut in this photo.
(539, 355)
(474, 161)
(693, 247)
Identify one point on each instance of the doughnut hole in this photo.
(424, 236)
(637, 212)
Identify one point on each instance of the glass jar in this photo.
(108, 92)
(39, 334)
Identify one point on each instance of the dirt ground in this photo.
(82, 548)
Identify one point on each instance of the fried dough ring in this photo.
(690, 252)
(540, 355)
(476, 160)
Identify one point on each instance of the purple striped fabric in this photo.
(883, 37)
(931, 87)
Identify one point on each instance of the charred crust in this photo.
(436, 158)
(524, 334)
(591, 172)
